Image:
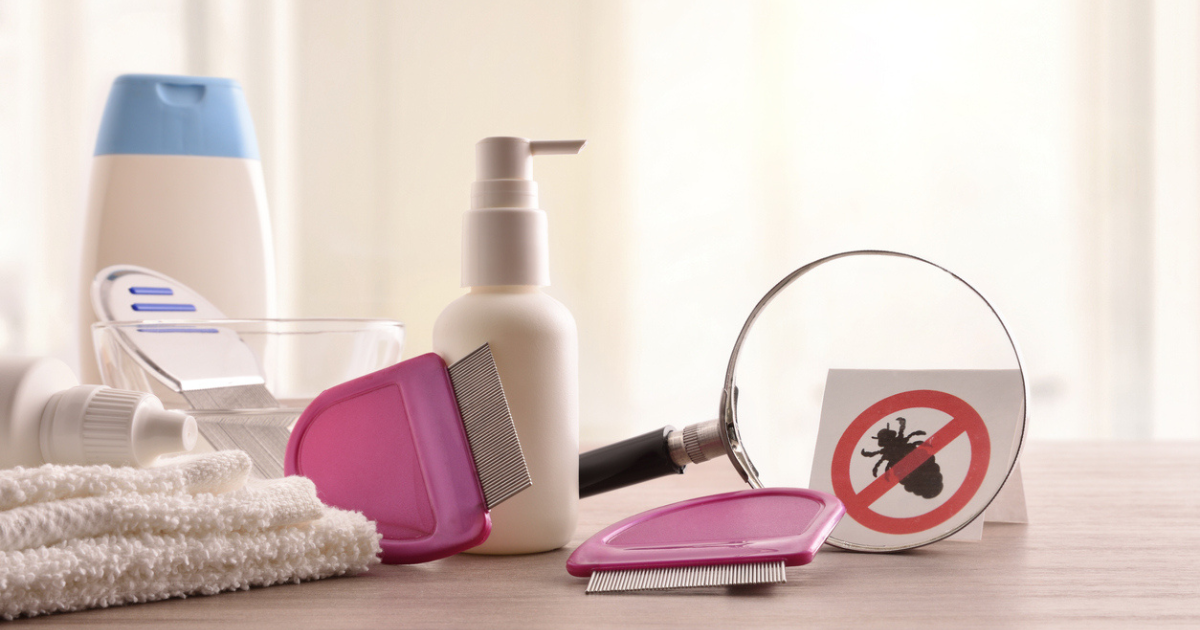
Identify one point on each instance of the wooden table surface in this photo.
(1114, 540)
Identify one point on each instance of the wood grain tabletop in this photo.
(1113, 541)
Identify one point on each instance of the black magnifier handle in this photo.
(625, 463)
(648, 456)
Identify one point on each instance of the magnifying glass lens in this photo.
(870, 311)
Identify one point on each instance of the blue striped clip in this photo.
(151, 291)
(176, 308)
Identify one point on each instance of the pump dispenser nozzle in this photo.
(504, 233)
(504, 170)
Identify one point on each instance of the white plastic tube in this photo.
(47, 417)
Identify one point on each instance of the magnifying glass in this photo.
(858, 310)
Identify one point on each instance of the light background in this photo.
(1047, 151)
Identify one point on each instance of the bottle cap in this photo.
(157, 114)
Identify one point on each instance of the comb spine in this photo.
(687, 577)
(264, 437)
(491, 434)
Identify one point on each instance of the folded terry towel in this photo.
(215, 472)
(75, 537)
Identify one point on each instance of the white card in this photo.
(1009, 505)
(915, 454)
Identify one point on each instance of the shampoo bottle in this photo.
(177, 186)
(532, 337)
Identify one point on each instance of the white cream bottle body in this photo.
(532, 337)
(535, 345)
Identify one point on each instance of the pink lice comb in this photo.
(744, 537)
(421, 449)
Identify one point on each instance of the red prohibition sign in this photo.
(964, 419)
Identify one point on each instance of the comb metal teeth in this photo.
(489, 425)
(264, 437)
(687, 577)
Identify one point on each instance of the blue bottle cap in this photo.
(158, 114)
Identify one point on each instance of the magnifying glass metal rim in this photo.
(727, 417)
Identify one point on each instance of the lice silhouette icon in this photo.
(894, 446)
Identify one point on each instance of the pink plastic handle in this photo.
(392, 445)
(761, 525)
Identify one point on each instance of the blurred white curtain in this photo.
(1048, 152)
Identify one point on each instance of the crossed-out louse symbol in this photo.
(926, 480)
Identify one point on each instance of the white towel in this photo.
(75, 537)
(215, 472)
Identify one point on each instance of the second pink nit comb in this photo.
(744, 537)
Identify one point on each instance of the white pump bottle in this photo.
(532, 336)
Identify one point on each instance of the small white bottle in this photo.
(532, 336)
(47, 417)
(177, 186)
